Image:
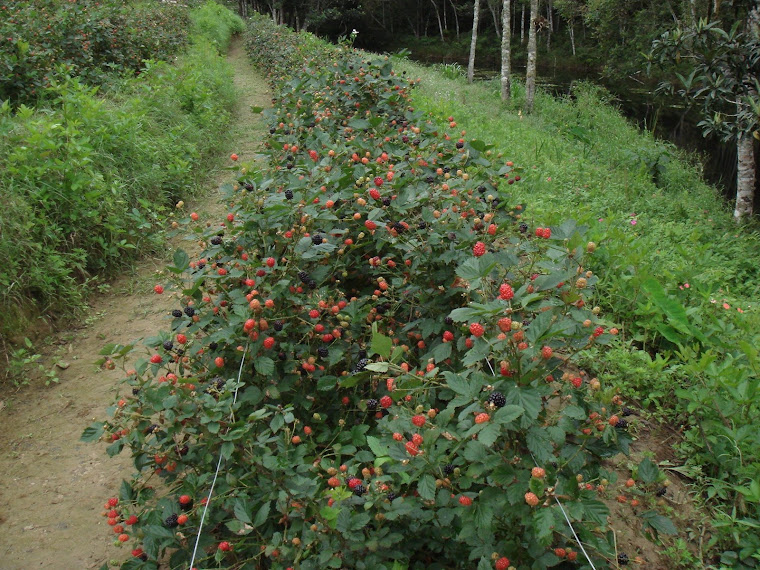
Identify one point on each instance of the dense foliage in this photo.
(84, 177)
(675, 272)
(374, 347)
(43, 41)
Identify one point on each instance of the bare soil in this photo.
(53, 487)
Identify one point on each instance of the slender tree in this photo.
(530, 72)
(506, 52)
(722, 67)
(473, 42)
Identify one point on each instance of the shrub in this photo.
(374, 346)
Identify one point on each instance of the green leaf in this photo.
(543, 521)
(463, 314)
(426, 487)
(659, 522)
(648, 471)
(181, 260)
(377, 447)
(377, 366)
(527, 398)
(507, 414)
(92, 433)
(381, 344)
(596, 511)
(261, 514)
(264, 365)
(457, 383)
(540, 445)
(441, 352)
(539, 326)
(241, 511)
(489, 434)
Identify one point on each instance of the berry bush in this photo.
(88, 38)
(376, 348)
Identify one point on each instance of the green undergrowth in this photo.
(87, 178)
(677, 274)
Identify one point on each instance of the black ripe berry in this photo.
(621, 425)
(391, 496)
(661, 491)
(523, 227)
(316, 239)
(177, 314)
(216, 240)
(277, 326)
(171, 521)
(448, 320)
(288, 194)
(304, 277)
(168, 345)
(359, 490)
(361, 365)
(189, 311)
(362, 353)
(372, 404)
(460, 144)
(386, 201)
(213, 345)
(448, 469)
(323, 352)
(422, 225)
(623, 559)
(311, 284)
(497, 399)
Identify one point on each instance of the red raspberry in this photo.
(113, 501)
(249, 325)
(572, 555)
(538, 472)
(333, 482)
(138, 552)
(531, 499)
(370, 225)
(123, 537)
(156, 359)
(353, 482)
(613, 421)
(577, 381)
(482, 418)
(505, 324)
(479, 249)
(560, 552)
(158, 289)
(502, 563)
(181, 519)
(398, 437)
(270, 262)
(539, 232)
(468, 343)
(417, 439)
(448, 336)
(221, 271)
(219, 362)
(378, 181)
(225, 546)
(492, 229)
(547, 352)
(386, 402)
(412, 449)
(314, 314)
(598, 331)
(185, 499)
(374, 193)
(181, 339)
(547, 233)
(465, 501)
(477, 330)
(419, 420)
(268, 342)
(132, 519)
(506, 292)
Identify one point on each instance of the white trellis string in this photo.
(578, 540)
(218, 466)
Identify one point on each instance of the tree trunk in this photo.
(550, 25)
(438, 15)
(745, 176)
(572, 36)
(456, 17)
(473, 42)
(530, 75)
(522, 24)
(495, 15)
(506, 52)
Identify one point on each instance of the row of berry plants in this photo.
(375, 346)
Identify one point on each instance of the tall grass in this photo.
(86, 179)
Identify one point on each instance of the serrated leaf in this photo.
(457, 383)
(528, 399)
(241, 511)
(426, 487)
(461, 315)
(377, 366)
(596, 511)
(648, 471)
(659, 522)
(377, 447)
(489, 434)
(181, 260)
(264, 365)
(441, 352)
(539, 326)
(540, 445)
(543, 522)
(261, 514)
(92, 433)
(381, 345)
(507, 414)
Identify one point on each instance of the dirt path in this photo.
(52, 486)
